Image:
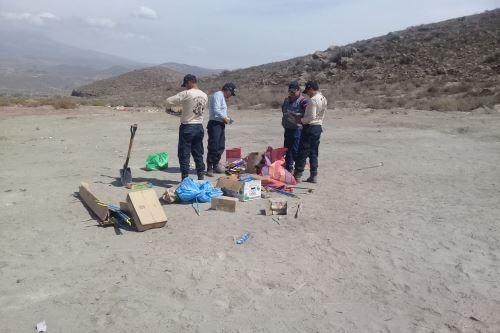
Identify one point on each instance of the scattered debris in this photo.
(276, 220)
(297, 289)
(473, 318)
(170, 196)
(139, 186)
(41, 327)
(299, 209)
(370, 167)
(277, 207)
(243, 239)
(226, 204)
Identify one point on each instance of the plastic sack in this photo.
(190, 191)
(276, 170)
(158, 161)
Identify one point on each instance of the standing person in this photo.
(193, 102)
(311, 131)
(216, 126)
(293, 106)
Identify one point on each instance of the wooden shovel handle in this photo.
(133, 129)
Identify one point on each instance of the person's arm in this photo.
(175, 100)
(310, 112)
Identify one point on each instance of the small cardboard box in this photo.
(146, 210)
(244, 191)
(277, 207)
(226, 204)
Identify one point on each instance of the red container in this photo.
(233, 154)
(278, 154)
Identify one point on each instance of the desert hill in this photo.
(450, 65)
(189, 69)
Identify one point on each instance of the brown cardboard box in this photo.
(146, 210)
(244, 191)
(277, 207)
(91, 201)
(226, 204)
(253, 161)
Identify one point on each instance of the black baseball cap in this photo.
(230, 87)
(293, 86)
(311, 85)
(187, 78)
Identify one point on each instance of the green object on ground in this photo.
(158, 161)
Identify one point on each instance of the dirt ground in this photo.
(410, 246)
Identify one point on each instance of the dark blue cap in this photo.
(230, 87)
(311, 85)
(293, 86)
(187, 78)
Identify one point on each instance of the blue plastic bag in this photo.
(191, 191)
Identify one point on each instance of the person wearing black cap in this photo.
(191, 133)
(293, 106)
(216, 126)
(311, 131)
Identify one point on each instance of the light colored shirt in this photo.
(315, 110)
(217, 107)
(193, 102)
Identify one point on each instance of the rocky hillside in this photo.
(189, 69)
(141, 86)
(450, 65)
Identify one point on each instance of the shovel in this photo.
(126, 173)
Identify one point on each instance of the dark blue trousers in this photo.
(191, 143)
(216, 142)
(292, 141)
(309, 148)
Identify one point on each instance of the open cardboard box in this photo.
(245, 191)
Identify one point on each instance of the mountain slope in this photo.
(450, 65)
(33, 64)
(454, 64)
(142, 84)
(188, 69)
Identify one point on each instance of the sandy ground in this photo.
(412, 246)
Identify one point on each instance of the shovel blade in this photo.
(125, 176)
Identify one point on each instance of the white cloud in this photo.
(145, 13)
(100, 22)
(39, 19)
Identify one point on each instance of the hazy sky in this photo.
(224, 33)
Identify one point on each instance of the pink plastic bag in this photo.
(276, 170)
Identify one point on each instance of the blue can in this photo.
(243, 239)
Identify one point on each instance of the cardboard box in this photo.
(226, 204)
(146, 210)
(277, 207)
(244, 191)
(91, 201)
(253, 161)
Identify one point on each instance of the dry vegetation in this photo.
(58, 102)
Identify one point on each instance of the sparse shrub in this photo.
(62, 103)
